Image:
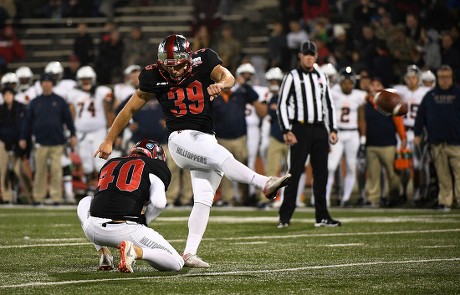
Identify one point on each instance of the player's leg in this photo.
(56, 174)
(204, 184)
(453, 153)
(373, 176)
(105, 257)
(351, 152)
(334, 158)
(252, 143)
(152, 247)
(441, 164)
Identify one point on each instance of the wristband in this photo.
(362, 139)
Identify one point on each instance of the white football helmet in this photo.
(131, 68)
(245, 68)
(274, 74)
(24, 75)
(55, 68)
(10, 80)
(429, 77)
(86, 72)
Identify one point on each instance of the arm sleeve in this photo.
(282, 112)
(330, 110)
(157, 198)
(398, 121)
(26, 127)
(68, 118)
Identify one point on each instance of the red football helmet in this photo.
(150, 148)
(174, 58)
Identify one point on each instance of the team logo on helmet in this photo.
(149, 148)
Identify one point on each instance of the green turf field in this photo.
(44, 251)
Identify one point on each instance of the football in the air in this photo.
(390, 103)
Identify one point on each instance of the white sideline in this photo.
(242, 272)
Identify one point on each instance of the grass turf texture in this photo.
(44, 251)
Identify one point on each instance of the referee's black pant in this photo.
(313, 140)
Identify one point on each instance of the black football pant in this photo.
(313, 140)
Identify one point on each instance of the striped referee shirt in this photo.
(305, 98)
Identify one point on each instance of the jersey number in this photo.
(412, 113)
(344, 117)
(195, 99)
(90, 109)
(136, 167)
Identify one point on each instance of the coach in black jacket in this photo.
(307, 118)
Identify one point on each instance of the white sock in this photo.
(330, 182)
(236, 171)
(197, 223)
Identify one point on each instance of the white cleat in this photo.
(274, 184)
(127, 256)
(105, 262)
(191, 260)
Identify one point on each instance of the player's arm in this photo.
(157, 198)
(223, 78)
(362, 127)
(399, 124)
(135, 103)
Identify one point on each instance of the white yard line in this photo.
(306, 235)
(224, 273)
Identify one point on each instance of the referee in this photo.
(306, 114)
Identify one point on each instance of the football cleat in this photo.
(192, 260)
(328, 223)
(105, 262)
(127, 256)
(274, 184)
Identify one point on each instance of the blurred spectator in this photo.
(70, 72)
(83, 46)
(296, 36)
(311, 10)
(385, 29)
(439, 115)
(412, 29)
(207, 13)
(401, 49)
(431, 49)
(323, 54)
(45, 118)
(382, 64)
(341, 47)
(78, 8)
(137, 49)
(380, 149)
(366, 43)
(54, 9)
(11, 117)
(202, 38)
(11, 48)
(278, 54)
(362, 15)
(7, 11)
(450, 55)
(229, 49)
(109, 61)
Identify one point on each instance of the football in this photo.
(390, 103)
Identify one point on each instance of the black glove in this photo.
(361, 151)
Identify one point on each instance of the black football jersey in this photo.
(124, 186)
(185, 105)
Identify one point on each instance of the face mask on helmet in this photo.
(174, 58)
(86, 78)
(55, 68)
(10, 80)
(347, 74)
(24, 75)
(149, 148)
